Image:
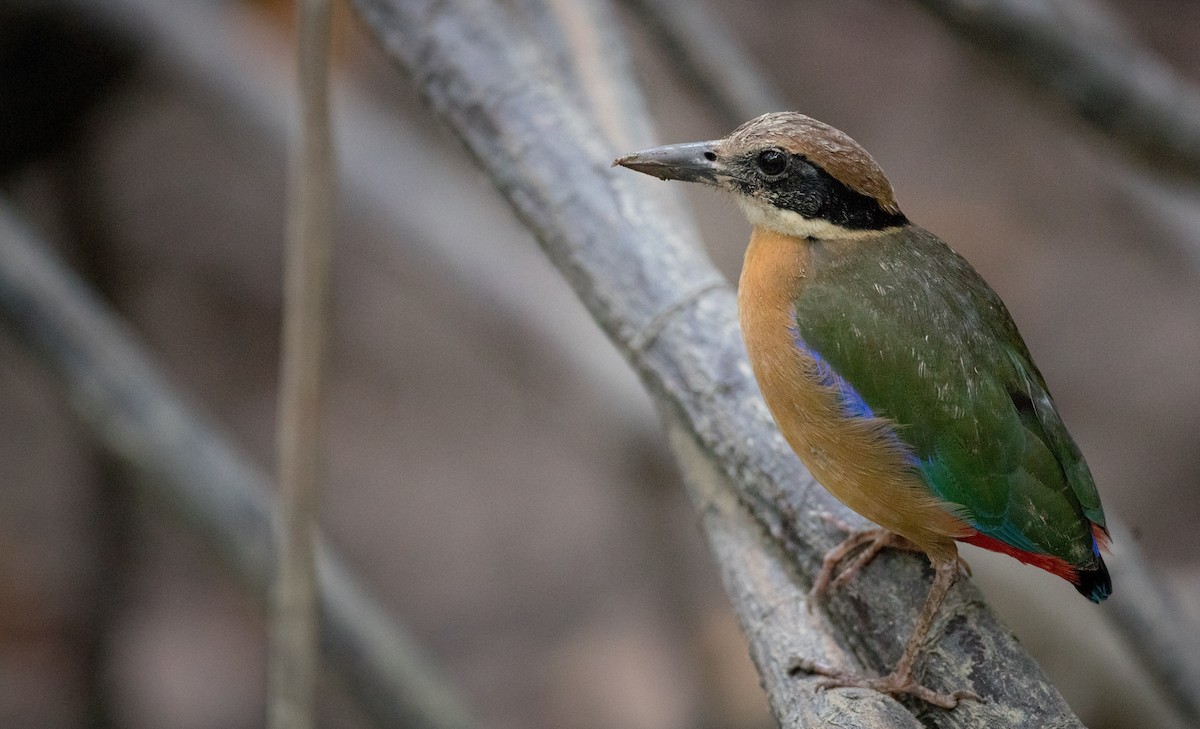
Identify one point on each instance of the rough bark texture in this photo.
(672, 315)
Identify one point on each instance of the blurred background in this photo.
(496, 476)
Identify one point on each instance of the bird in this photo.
(895, 373)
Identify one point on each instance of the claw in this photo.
(900, 680)
(892, 684)
(870, 541)
(875, 539)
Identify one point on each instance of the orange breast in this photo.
(856, 459)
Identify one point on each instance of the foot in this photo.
(875, 540)
(900, 680)
(870, 541)
(894, 684)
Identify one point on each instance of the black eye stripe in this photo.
(791, 182)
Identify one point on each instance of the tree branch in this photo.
(710, 58)
(391, 174)
(603, 73)
(771, 602)
(1154, 627)
(672, 315)
(1079, 55)
(292, 653)
(184, 461)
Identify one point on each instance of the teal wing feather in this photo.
(911, 332)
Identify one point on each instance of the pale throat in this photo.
(789, 222)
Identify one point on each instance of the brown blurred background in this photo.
(495, 475)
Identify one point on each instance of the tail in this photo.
(1094, 584)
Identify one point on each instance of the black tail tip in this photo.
(1094, 584)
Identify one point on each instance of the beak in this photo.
(691, 162)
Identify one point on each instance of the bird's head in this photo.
(789, 173)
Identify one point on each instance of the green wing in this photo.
(911, 330)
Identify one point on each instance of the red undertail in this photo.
(1091, 580)
(1051, 564)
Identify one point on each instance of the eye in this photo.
(772, 162)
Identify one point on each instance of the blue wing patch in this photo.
(853, 404)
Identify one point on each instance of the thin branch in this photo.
(292, 652)
(186, 462)
(1078, 54)
(710, 58)
(390, 174)
(672, 315)
(604, 76)
(602, 68)
(1154, 627)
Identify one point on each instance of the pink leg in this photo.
(875, 541)
(900, 680)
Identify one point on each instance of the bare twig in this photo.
(390, 174)
(186, 463)
(1155, 629)
(601, 64)
(604, 76)
(1080, 56)
(292, 653)
(672, 315)
(710, 58)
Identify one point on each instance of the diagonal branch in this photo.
(668, 311)
(184, 461)
(1079, 55)
(710, 58)
(1156, 630)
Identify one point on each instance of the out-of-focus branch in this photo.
(604, 76)
(292, 649)
(710, 58)
(602, 69)
(1079, 55)
(672, 315)
(229, 58)
(186, 462)
(1074, 51)
(1154, 627)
